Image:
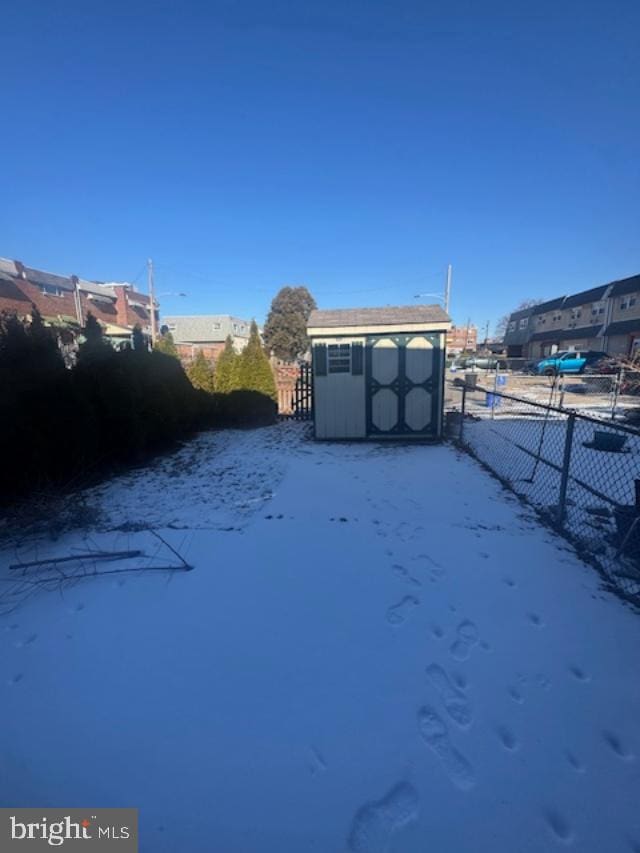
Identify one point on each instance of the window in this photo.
(216, 325)
(51, 290)
(512, 326)
(339, 358)
(524, 322)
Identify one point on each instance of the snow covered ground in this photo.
(378, 650)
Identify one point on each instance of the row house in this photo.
(206, 332)
(65, 301)
(604, 318)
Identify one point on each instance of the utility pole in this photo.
(486, 333)
(447, 289)
(152, 301)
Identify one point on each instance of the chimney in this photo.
(20, 269)
(121, 305)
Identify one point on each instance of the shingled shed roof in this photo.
(387, 316)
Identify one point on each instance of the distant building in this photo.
(462, 339)
(65, 301)
(207, 332)
(604, 318)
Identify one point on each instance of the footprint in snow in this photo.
(558, 826)
(404, 575)
(455, 702)
(375, 822)
(535, 619)
(467, 638)
(437, 632)
(575, 762)
(27, 642)
(16, 679)
(516, 695)
(399, 612)
(507, 738)
(435, 734)
(617, 747)
(317, 764)
(579, 673)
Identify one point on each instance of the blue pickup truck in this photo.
(568, 362)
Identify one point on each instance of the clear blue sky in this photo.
(356, 147)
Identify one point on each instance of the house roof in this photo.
(623, 327)
(97, 289)
(583, 332)
(201, 328)
(53, 280)
(548, 306)
(625, 286)
(387, 316)
(593, 295)
(552, 335)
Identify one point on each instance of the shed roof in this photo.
(387, 316)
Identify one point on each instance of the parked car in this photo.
(568, 362)
(478, 362)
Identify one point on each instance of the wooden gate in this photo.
(403, 375)
(303, 394)
(295, 392)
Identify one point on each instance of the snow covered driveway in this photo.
(378, 650)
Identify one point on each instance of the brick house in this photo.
(66, 301)
(462, 339)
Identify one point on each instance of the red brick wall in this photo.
(17, 296)
(187, 352)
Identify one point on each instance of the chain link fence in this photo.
(580, 471)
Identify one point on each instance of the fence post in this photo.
(462, 409)
(566, 464)
(617, 386)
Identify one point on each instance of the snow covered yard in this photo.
(378, 650)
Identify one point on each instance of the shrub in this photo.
(226, 368)
(200, 373)
(254, 371)
(58, 425)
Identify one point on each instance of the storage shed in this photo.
(378, 372)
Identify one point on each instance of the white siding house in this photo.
(378, 372)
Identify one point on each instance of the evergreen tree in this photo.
(200, 373)
(285, 332)
(94, 346)
(138, 341)
(254, 370)
(227, 368)
(166, 344)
